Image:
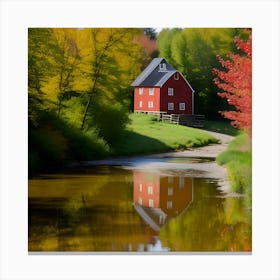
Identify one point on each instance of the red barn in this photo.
(161, 88)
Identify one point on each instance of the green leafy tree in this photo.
(40, 70)
(53, 57)
(193, 52)
(111, 64)
(79, 78)
(68, 59)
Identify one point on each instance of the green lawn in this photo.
(220, 127)
(147, 135)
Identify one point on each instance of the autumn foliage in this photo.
(147, 44)
(236, 81)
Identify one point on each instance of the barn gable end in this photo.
(151, 93)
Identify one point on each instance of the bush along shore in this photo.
(238, 160)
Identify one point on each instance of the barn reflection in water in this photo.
(158, 198)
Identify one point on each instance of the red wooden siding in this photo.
(182, 93)
(171, 194)
(182, 194)
(142, 182)
(146, 98)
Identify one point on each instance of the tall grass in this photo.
(221, 127)
(238, 160)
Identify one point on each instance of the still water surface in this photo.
(120, 209)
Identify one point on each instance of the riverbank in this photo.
(56, 143)
(195, 162)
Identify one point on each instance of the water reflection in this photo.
(159, 198)
(110, 209)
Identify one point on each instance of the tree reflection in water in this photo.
(120, 210)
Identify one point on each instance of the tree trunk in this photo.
(85, 113)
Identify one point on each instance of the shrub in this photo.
(110, 120)
(238, 160)
(55, 142)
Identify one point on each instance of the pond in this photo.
(138, 205)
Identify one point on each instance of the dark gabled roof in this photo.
(153, 76)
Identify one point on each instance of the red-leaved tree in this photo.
(236, 81)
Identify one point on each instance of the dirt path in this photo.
(209, 151)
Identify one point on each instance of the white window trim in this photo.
(151, 203)
(150, 104)
(140, 104)
(184, 106)
(169, 204)
(151, 91)
(170, 191)
(181, 182)
(150, 189)
(140, 200)
(141, 91)
(170, 91)
(170, 106)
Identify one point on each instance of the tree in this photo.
(111, 63)
(236, 81)
(193, 52)
(151, 33)
(53, 57)
(40, 69)
(67, 61)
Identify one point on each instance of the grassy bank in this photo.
(56, 142)
(221, 127)
(147, 135)
(238, 160)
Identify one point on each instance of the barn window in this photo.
(141, 91)
(140, 201)
(171, 106)
(150, 189)
(170, 191)
(140, 187)
(170, 91)
(169, 204)
(140, 104)
(176, 76)
(182, 106)
(181, 182)
(150, 104)
(162, 67)
(151, 91)
(151, 203)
